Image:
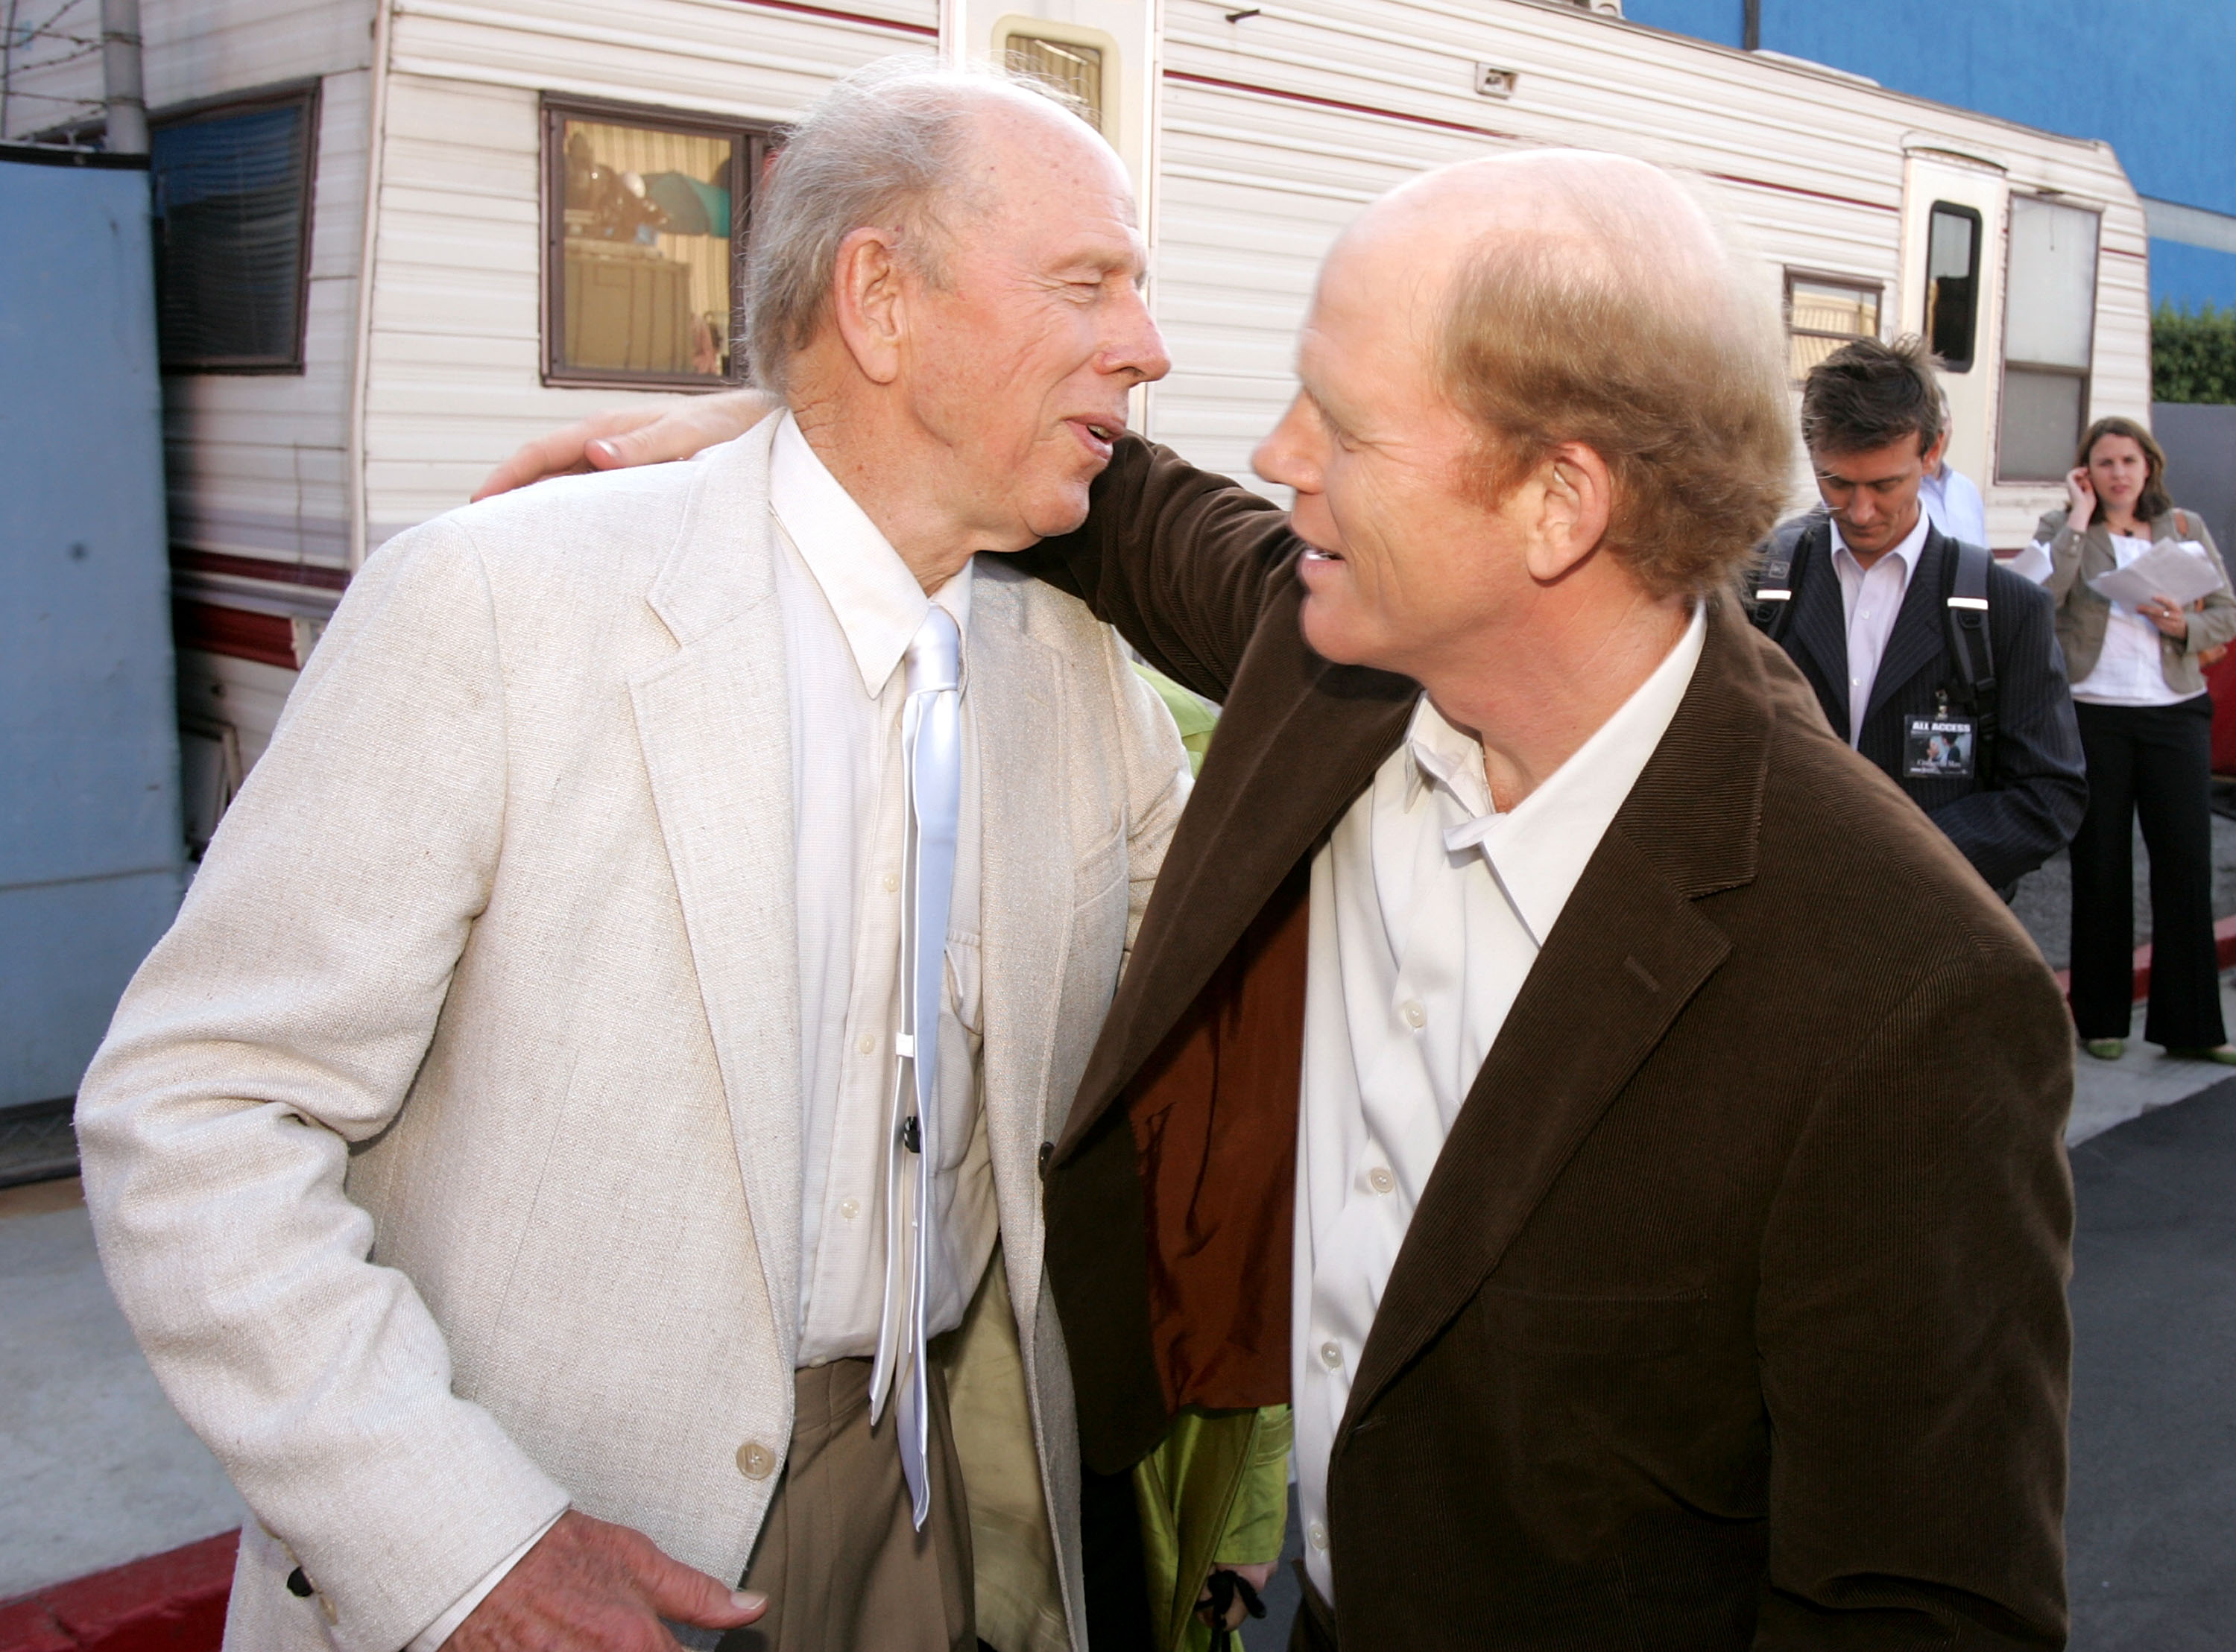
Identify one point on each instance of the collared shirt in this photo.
(1872, 601)
(1429, 909)
(1953, 505)
(2130, 669)
(850, 607)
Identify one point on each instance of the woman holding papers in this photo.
(2141, 594)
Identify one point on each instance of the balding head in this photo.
(1569, 321)
(904, 144)
(1563, 295)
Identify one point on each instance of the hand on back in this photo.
(650, 433)
(590, 1587)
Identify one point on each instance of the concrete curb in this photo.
(2223, 948)
(168, 1603)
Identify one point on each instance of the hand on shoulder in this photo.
(650, 433)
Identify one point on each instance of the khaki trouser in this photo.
(843, 1566)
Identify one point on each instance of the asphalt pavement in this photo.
(95, 1468)
(2151, 1526)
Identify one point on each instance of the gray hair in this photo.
(886, 147)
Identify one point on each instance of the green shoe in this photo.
(2108, 1049)
(2223, 1053)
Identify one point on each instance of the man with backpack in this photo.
(1917, 644)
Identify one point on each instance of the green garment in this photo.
(1215, 1492)
(1195, 716)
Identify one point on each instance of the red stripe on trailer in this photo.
(268, 639)
(837, 16)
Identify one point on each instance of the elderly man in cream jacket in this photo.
(519, 1162)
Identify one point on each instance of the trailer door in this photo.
(1952, 249)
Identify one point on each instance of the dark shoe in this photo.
(2223, 1053)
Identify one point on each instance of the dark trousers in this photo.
(2154, 762)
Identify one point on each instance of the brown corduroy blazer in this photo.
(1733, 1315)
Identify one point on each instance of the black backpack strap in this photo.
(1778, 578)
(1971, 652)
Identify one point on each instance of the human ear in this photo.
(1573, 498)
(868, 304)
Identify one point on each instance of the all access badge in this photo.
(1937, 748)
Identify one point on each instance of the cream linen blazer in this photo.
(445, 1155)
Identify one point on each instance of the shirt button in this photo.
(1330, 1355)
(1415, 1016)
(891, 881)
(1318, 1535)
(868, 1044)
(1380, 1180)
(849, 1208)
(755, 1460)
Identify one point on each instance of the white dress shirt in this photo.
(1871, 598)
(1429, 909)
(850, 607)
(1954, 505)
(2130, 671)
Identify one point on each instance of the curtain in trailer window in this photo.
(232, 193)
(647, 251)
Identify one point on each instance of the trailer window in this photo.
(644, 219)
(1952, 284)
(2049, 326)
(1824, 312)
(1071, 67)
(232, 232)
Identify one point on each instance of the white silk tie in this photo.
(931, 770)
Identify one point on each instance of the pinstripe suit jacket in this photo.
(2007, 823)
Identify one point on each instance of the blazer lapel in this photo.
(1025, 886)
(1819, 629)
(1298, 739)
(1629, 951)
(714, 724)
(1916, 642)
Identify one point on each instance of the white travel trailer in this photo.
(462, 222)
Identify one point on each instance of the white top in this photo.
(850, 607)
(1954, 505)
(1872, 601)
(1428, 910)
(2130, 671)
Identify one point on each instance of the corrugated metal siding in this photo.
(457, 302)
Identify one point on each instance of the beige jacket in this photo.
(2075, 559)
(445, 1155)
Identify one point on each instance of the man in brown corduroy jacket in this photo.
(1604, 1104)
(1678, 1249)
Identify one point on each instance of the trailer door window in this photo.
(1824, 312)
(1952, 284)
(232, 222)
(644, 219)
(1071, 67)
(2050, 327)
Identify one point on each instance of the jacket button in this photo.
(1048, 1152)
(755, 1460)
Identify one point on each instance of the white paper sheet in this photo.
(2180, 571)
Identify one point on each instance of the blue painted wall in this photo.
(91, 855)
(2154, 78)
